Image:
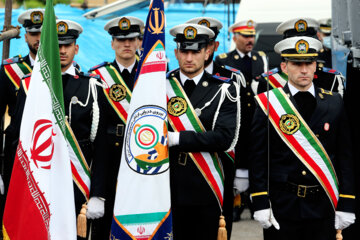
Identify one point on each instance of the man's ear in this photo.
(76, 49)
(176, 52)
(207, 53)
(283, 66)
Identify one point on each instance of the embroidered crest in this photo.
(204, 22)
(302, 46)
(301, 26)
(36, 17)
(190, 32)
(289, 124)
(62, 28)
(124, 24)
(177, 106)
(117, 92)
(250, 23)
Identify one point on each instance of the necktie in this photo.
(125, 74)
(189, 86)
(246, 66)
(306, 104)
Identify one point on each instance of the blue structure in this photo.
(95, 42)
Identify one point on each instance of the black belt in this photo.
(302, 190)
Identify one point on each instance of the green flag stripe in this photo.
(141, 218)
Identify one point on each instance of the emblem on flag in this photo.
(146, 148)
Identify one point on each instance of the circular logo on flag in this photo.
(146, 149)
(289, 124)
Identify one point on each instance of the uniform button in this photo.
(303, 173)
(117, 144)
(248, 83)
(248, 93)
(249, 104)
(317, 135)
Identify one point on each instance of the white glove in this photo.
(2, 186)
(343, 219)
(266, 218)
(173, 138)
(240, 185)
(96, 208)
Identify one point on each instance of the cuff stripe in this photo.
(258, 194)
(347, 196)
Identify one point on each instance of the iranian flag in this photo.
(40, 200)
(142, 203)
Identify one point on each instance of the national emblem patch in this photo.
(289, 124)
(117, 92)
(177, 106)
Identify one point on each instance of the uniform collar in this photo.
(243, 54)
(121, 67)
(32, 61)
(294, 90)
(210, 68)
(70, 71)
(196, 79)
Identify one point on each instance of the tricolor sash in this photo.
(79, 167)
(116, 90)
(276, 79)
(298, 136)
(16, 70)
(181, 116)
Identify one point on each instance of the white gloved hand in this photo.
(173, 138)
(2, 186)
(95, 208)
(266, 218)
(240, 185)
(343, 219)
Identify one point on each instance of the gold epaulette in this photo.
(262, 54)
(223, 55)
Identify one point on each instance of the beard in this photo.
(33, 48)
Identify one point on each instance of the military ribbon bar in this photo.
(295, 132)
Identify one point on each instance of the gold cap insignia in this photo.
(117, 92)
(62, 28)
(190, 32)
(124, 24)
(301, 26)
(36, 17)
(204, 22)
(250, 23)
(177, 106)
(302, 46)
(289, 124)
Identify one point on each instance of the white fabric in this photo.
(70, 71)
(242, 173)
(173, 138)
(266, 218)
(96, 208)
(122, 67)
(240, 185)
(344, 219)
(243, 54)
(196, 79)
(2, 186)
(294, 90)
(210, 68)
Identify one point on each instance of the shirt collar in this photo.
(196, 79)
(294, 90)
(121, 67)
(70, 71)
(210, 68)
(32, 61)
(243, 54)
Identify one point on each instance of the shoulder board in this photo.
(261, 53)
(26, 76)
(90, 75)
(329, 70)
(223, 79)
(232, 69)
(168, 74)
(12, 60)
(323, 91)
(271, 72)
(223, 55)
(99, 66)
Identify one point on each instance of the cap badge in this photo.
(177, 106)
(250, 23)
(289, 124)
(302, 46)
(124, 24)
(62, 28)
(190, 32)
(301, 26)
(204, 22)
(36, 17)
